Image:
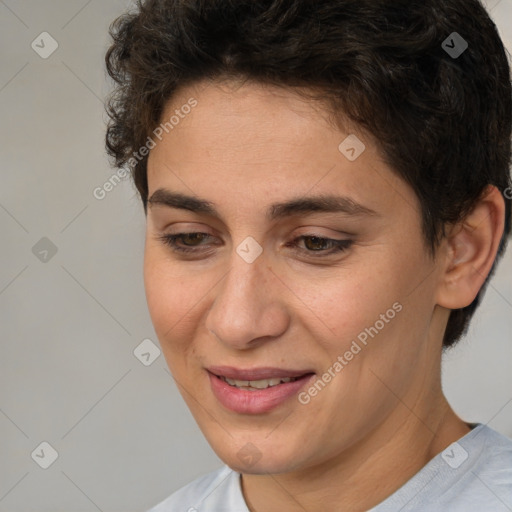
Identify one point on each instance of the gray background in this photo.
(69, 325)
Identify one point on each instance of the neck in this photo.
(368, 472)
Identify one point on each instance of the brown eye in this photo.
(320, 245)
(188, 240)
(314, 243)
(192, 237)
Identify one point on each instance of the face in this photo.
(265, 281)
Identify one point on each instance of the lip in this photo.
(265, 372)
(255, 402)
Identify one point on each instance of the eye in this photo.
(172, 241)
(315, 246)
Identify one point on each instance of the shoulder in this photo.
(495, 449)
(495, 456)
(215, 491)
(473, 474)
(479, 468)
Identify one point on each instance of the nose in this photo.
(248, 308)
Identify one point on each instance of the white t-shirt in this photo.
(473, 474)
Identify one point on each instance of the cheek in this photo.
(381, 332)
(176, 298)
(367, 312)
(170, 295)
(349, 300)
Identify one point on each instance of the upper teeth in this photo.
(257, 384)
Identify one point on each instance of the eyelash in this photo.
(339, 245)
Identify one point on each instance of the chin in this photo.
(259, 457)
(259, 468)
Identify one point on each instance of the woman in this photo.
(327, 191)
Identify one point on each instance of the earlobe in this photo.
(471, 250)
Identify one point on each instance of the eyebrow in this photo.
(295, 206)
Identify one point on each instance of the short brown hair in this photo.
(443, 122)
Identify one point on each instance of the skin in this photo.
(384, 416)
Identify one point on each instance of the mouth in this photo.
(255, 385)
(256, 390)
(257, 378)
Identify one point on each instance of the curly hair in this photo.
(442, 122)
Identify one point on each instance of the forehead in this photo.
(250, 119)
(251, 142)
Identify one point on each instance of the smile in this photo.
(254, 385)
(256, 391)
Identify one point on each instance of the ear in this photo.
(469, 251)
